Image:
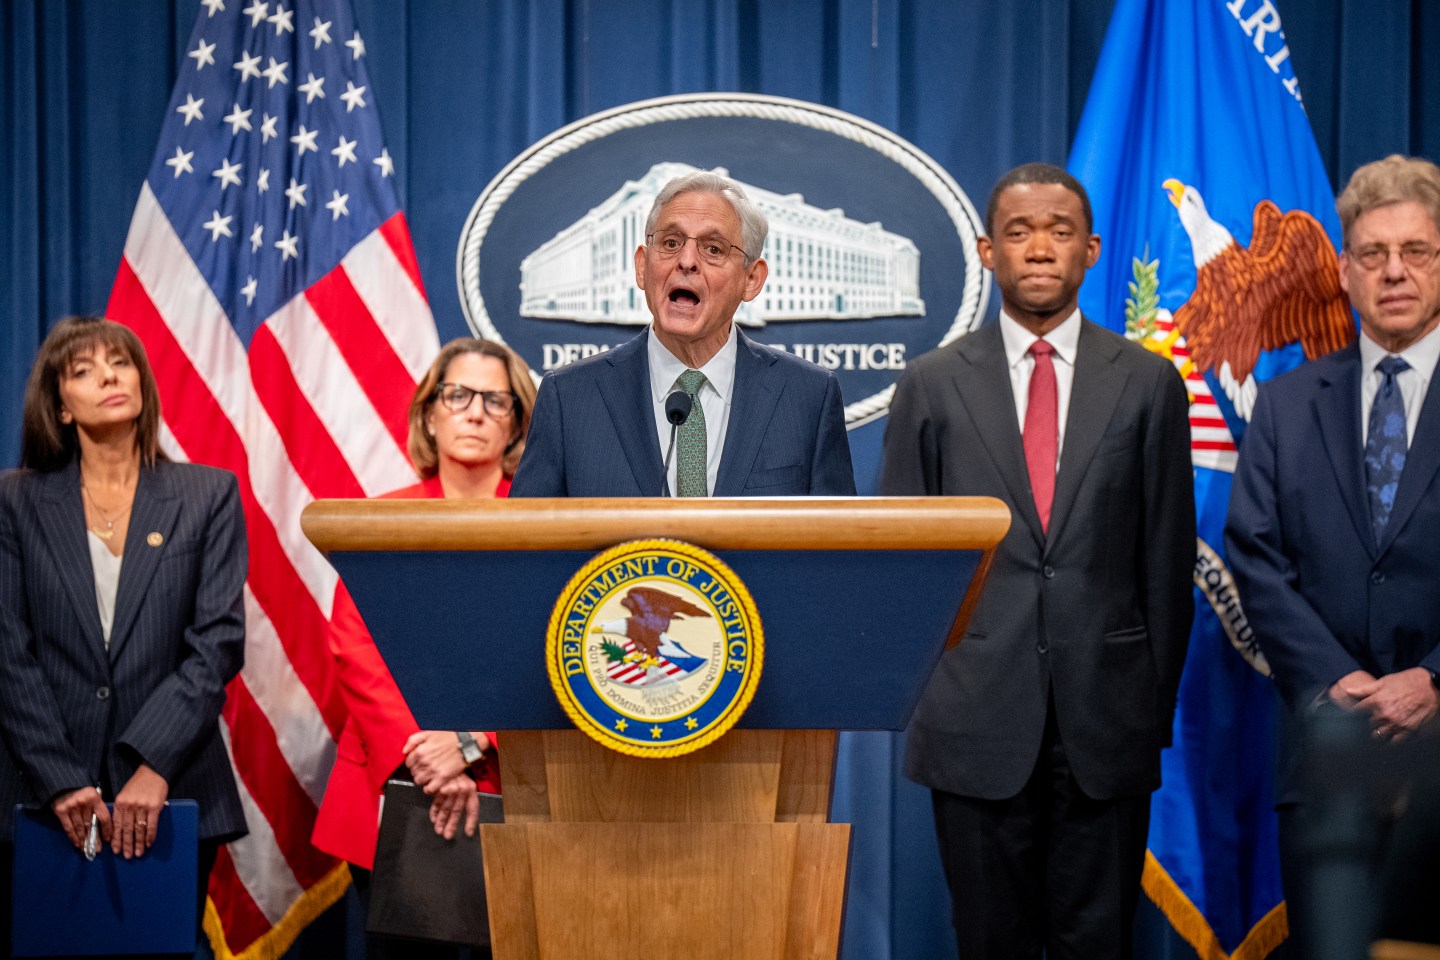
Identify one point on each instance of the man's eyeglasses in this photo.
(457, 399)
(1417, 255)
(714, 250)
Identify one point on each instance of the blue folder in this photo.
(64, 904)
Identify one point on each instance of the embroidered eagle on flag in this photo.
(1284, 288)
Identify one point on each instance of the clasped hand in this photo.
(435, 762)
(131, 830)
(1397, 703)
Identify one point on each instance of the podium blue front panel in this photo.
(850, 636)
(66, 905)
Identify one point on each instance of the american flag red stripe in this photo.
(363, 345)
(312, 450)
(273, 282)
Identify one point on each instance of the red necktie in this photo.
(1041, 436)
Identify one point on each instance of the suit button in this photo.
(103, 693)
(1049, 572)
(1042, 647)
(1377, 577)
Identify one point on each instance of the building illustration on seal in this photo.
(823, 265)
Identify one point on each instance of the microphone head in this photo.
(677, 407)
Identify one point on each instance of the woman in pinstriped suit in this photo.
(121, 617)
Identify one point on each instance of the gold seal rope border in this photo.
(713, 565)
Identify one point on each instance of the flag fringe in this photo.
(275, 941)
(1191, 925)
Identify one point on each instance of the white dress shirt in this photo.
(715, 398)
(1421, 355)
(106, 566)
(1066, 340)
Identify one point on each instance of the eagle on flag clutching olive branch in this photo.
(649, 655)
(1284, 288)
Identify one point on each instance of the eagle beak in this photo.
(1177, 190)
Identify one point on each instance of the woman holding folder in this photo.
(468, 419)
(121, 616)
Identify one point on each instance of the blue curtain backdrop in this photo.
(465, 85)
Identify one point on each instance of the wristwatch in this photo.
(469, 747)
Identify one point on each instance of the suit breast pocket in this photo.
(775, 477)
(1122, 440)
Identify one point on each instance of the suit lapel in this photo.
(627, 398)
(1337, 414)
(1094, 394)
(154, 512)
(753, 400)
(984, 389)
(1421, 463)
(64, 533)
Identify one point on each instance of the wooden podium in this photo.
(723, 853)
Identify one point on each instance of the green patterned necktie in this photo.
(690, 443)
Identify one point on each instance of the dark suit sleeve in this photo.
(831, 473)
(30, 716)
(910, 465)
(181, 711)
(541, 472)
(1305, 657)
(1168, 538)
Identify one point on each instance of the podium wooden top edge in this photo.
(779, 523)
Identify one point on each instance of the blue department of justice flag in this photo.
(1219, 232)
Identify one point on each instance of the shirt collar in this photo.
(1065, 338)
(1422, 355)
(665, 367)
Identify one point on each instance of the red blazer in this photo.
(376, 726)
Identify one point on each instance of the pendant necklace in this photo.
(109, 532)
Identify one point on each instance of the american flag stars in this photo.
(300, 86)
(191, 109)
(353, 96)
(204, 53)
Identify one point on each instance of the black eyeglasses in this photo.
(714, 250)
(1417, 255)
(457, 399)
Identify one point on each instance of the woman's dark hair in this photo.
(47, 443)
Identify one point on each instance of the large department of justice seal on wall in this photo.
(871, 247)
(655, 648)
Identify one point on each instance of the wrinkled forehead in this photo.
(1401, 222)
(699, 214)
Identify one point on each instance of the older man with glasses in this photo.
(1334, 525)
(692, 406)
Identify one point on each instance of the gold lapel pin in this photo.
(155, 539)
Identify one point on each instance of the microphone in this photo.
(677, 411)
(677, 407)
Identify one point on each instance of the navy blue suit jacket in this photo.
(593, 430)
(74, 714)
(1323, 598)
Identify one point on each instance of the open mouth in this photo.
(684, 296)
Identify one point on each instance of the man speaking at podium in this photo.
(1040, 733)
(692, 407)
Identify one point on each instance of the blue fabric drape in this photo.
(464, 86)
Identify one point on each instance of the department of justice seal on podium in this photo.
(655, 648)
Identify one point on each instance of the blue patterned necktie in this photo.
(1385, 444)
(690, 441)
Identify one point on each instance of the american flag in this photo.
(270, 274)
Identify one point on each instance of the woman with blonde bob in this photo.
(468, 419)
